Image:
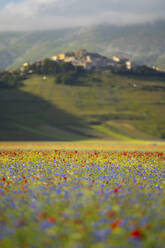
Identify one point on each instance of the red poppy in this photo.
(21, 223)
(116, 223)
(116, 190)
(111, 214)
(42, 215)
(51, 219)
(77, 222)
(136, 234)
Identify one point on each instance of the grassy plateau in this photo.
(101, 105)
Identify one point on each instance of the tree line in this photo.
(65, 73)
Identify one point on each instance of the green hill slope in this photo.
(105, 106)
(141, 43)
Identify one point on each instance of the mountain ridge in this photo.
(142, 43)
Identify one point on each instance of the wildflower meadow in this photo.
(81, 198)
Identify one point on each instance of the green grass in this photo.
(106, 106)
(109, 132)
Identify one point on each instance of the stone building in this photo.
(91, 60)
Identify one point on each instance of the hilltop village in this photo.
(67, 68)
(89, 61)
(92, 60)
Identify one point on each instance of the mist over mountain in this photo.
(142, 43)
(50, 14)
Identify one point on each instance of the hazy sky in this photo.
(45, 14)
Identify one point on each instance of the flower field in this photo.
(82, 198)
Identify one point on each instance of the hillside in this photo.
(97, 105)
(143, 43)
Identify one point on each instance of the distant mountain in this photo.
(144, 44)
